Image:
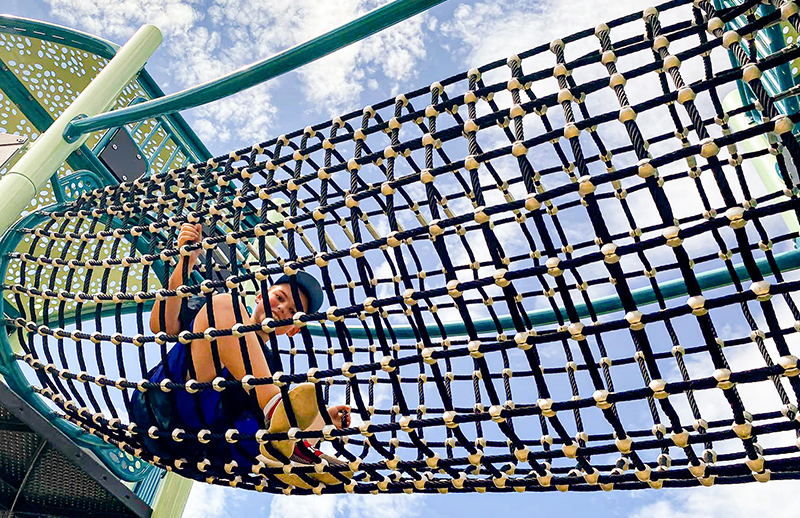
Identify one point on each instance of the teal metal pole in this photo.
(21, 184)
(671, 289)
(258, 72)
(57, 34)
(674, 288)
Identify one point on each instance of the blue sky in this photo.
(204, 38)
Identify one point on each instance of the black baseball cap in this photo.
(310, 287)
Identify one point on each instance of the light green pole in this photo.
(765, 165)
(173, 493)
(30, 174)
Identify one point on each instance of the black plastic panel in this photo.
(123, 157)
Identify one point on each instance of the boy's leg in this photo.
(303, 396)
(230, 355)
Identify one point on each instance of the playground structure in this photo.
(544, 273)
(43, 68)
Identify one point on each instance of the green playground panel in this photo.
(53, 74)
(47, 75)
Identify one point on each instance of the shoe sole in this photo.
(329, 479)
(290, 480)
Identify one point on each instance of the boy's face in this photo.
(283, 306)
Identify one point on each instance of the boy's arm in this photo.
(172, 305)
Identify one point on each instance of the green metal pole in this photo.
(260, 71)
(30, 174)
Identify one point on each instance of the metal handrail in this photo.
(258, 72)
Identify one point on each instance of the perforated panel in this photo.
(103, 281)
(53, 75)
(12, 120)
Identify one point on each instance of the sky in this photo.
(205, 38)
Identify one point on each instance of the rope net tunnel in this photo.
(569, 269)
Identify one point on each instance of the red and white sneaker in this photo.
(309, 455)
(303, 399)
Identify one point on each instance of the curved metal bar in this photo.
(674, 288)
(669, 290)
(258, 72)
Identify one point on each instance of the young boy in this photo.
(233, 407)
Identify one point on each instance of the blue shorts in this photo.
(207, 409)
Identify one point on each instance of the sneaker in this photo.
(309, 455)
(303, 399)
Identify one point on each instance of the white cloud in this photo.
(332, 84)
(387, 506)
(754, 499)
(349, 506)
(235, 33)
(118, 20)
(196, 54)
(531, 24)
(207, 501)
(323, 506)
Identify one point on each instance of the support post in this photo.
(173, 493)
(30, 174)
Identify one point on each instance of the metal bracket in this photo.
(123, 157)
(10, 147)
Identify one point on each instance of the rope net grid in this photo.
(571, 278)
